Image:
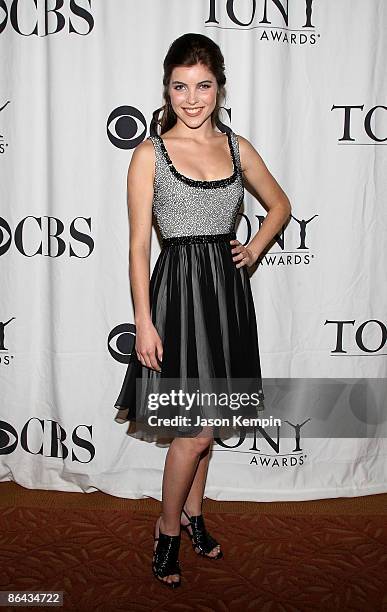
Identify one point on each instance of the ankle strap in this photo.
(193, 516)
(165, 536)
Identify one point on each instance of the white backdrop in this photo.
(78, 86)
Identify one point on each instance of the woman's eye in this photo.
(203, 85)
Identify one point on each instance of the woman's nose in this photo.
(192, 97)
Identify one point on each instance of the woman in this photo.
(196, 316)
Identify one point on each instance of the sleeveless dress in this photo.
(201, 304)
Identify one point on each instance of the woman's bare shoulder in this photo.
(247, 152)
(244, 143)
(144, 149)
(143, 155)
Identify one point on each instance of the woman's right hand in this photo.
(148, 345)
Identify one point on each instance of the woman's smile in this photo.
(193, 112)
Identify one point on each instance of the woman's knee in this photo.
(195, 445)
(202, 441)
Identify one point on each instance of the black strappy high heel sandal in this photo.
(200, 537)
(165, 558)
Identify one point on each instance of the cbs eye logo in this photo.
(8, 438)
(5, 236)
(121, 342)
(126, 127)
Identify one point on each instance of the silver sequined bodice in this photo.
(185, 207)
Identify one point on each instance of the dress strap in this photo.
(235, 148)
(156, 143)
(160, 162)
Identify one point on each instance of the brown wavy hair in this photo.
(188, 50)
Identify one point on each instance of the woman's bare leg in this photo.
(194, 500)
(181, 464)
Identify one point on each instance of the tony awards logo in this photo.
(274, 21)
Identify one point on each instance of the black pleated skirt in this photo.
(203, 310)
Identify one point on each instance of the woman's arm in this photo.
(140, 197)
(262, 185)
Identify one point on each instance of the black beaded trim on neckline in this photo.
(196, 182)
(199, 238)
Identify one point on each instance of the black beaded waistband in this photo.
(199, 238)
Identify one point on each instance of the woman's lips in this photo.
(192, 112)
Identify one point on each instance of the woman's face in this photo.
(193, 90)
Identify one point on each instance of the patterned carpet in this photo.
(323, 555)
